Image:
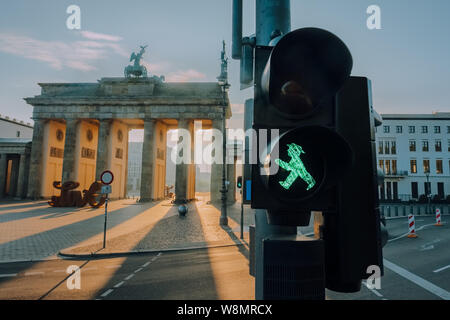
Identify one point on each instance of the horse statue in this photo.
(137, 70)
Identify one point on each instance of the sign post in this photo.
(107, 178)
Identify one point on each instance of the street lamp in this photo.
(428, 191)
(223, 82)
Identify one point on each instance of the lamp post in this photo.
(223, 82)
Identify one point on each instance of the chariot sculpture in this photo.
(136, 70)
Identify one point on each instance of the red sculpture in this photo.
(72, 198)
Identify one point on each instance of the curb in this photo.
(94, 255)
(422, 215)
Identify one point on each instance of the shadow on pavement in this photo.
(184, 275)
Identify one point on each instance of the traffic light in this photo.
(239, 182)
(323, 158)
(296, 84)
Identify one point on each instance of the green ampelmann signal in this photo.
(296, 167)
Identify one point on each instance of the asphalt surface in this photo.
(414, 269)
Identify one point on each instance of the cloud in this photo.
(185, 76)
(99, 36)
(79, 55)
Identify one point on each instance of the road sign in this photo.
(106, 189)
(107, 177)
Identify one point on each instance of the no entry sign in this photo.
(107, 177)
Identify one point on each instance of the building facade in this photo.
(413, 151)
(15, 147)
(81, 129)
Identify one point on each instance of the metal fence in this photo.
(403, 210)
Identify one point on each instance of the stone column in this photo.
(3, 167)
(181, 173)
(20, 192)
(147, 161)
(68, 171)
(36, 159)
(216, 168)
(14, 177)
(102, 147)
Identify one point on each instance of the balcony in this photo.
(396, 174)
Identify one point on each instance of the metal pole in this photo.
(242, 214)
(106, 218)
(223, 216)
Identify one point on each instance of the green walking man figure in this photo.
(296, 168)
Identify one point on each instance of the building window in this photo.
(439, 166)
(448, 145)
(395, 190)
(412, 145)
(448, 129)
(413, 165)
(425, 146)
(380, 146)
(426, 166)
(387, 164)
(18, 134)
(412, 129)
(388, 191)
(399, 129)
(440, 188)
(424, 129)
(386, 129)
(381, 165)
(438, 146)
(393, 147)
(386, 147)
(437, 129)
(414, 190)
(394, 167)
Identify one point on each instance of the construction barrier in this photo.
(438, 217)
(412, 227)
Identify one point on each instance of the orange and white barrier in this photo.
(412, 227)
(438, 217)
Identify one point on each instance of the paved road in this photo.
(219, 273)
(414, 269)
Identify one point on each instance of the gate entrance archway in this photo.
(81, 129)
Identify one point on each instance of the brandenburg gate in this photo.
(81, 129)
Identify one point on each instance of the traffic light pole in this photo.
(271, 15)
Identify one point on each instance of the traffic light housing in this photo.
(297, 81)
(239, 182)
(323, 157)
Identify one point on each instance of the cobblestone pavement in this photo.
(34, 231)
(199, 228)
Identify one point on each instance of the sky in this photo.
(407, 59)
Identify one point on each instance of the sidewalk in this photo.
(160, 228)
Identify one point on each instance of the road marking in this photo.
(8, 275)
(136, 271)
(107, 293)
(373, 290)
(418, 229)
(130, 276)
(145, 264)
(119, 284)
(34, 273)
(417, 280)
(441, 269)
